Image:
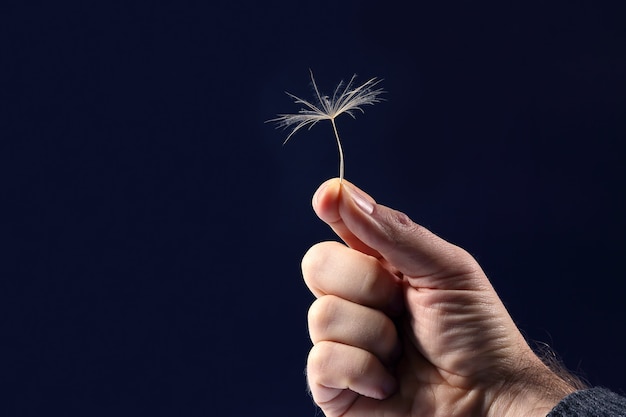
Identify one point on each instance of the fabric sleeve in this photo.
(594, 402)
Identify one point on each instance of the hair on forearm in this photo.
(550, 358)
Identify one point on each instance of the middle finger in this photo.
(334, 319)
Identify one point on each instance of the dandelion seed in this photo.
(345, 99)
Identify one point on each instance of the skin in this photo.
(407, 324)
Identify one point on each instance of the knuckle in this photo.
(321, 316)
(371, 278)
(314, 257)
(320, 358)
(462, 262)
(369, 364)
(400, 224)
(464, 258)
(310, 260)
(373, 288)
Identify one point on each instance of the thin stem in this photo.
(341, 169)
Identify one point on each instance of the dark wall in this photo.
(154, 224)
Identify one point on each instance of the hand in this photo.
(407, 324)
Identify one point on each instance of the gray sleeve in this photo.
(594, 402)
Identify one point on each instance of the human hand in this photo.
(407, 324)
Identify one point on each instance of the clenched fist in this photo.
(407, 324)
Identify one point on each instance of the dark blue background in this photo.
(154, 224)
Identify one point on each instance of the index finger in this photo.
(330, 268)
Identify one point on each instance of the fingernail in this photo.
(360, 200)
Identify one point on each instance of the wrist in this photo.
(532, 391)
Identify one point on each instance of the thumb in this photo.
(424, 258)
